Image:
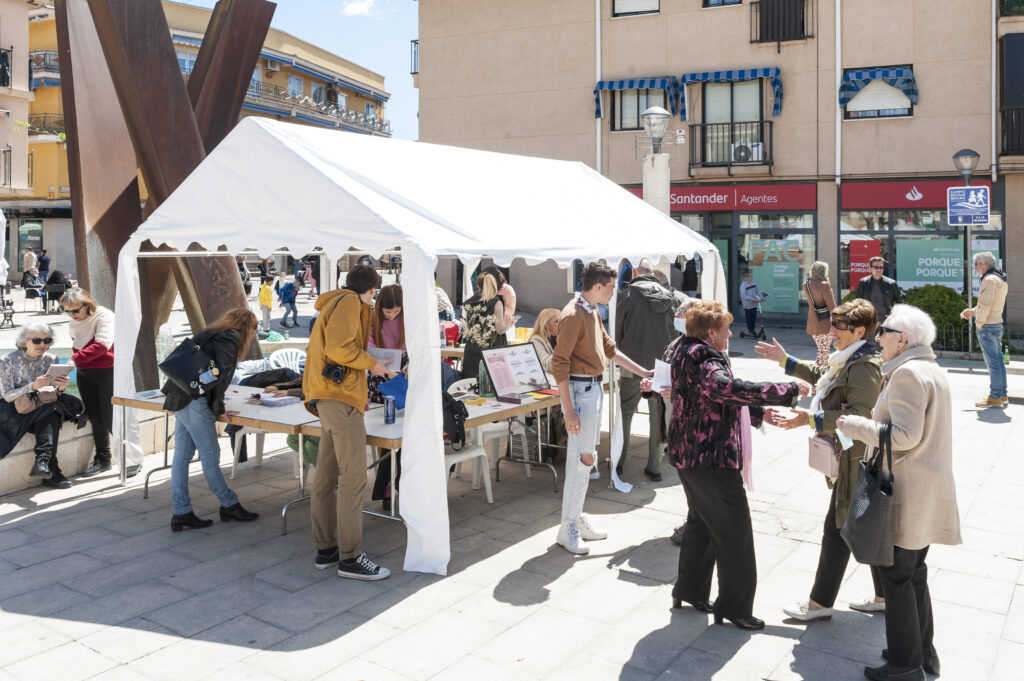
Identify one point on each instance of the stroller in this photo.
(758, 333)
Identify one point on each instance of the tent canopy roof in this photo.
(271, 184)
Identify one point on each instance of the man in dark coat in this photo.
(880, 290)
(643, 328)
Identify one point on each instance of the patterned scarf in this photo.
(836, 362)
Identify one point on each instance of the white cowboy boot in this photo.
(588, 532)
(569, 538)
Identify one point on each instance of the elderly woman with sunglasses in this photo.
(916, 401)
(92, 339)
(847, 384)
(21, 373)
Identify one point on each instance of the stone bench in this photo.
(74, 452)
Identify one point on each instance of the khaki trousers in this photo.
(341, 461)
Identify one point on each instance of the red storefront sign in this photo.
(861, 252)
(881, 195)
(751, 197)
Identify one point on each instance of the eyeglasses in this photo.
(882, 330)
(840, 324)
(43, 341)
(878, 267)
(75, 311)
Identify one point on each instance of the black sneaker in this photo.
(326, 558)
(362, 568)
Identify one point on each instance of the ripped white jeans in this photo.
(586, 400)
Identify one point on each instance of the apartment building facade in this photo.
(293, 81)
(806, 129)
(15, 99)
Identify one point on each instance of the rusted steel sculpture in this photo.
(170, 130)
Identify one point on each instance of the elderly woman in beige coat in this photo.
(915, 399)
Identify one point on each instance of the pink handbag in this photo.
(823, 456)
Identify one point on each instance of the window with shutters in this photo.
(878, 99)
(623, 8)
(627, 105)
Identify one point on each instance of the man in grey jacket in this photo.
(643, 327)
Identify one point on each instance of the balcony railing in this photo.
(44, 60)
(6, 67)
(329, 111)
(46, 124)
(414, 57)
(1011, 7)
(731, 144)
(773, 21)
(1013, 130)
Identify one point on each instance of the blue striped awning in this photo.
(735, 76)
(667, 83)
(900, 78)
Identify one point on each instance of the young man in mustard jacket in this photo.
(334, 385)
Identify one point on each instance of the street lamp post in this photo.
(656, 172)
(966, 160)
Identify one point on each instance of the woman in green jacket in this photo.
(848, 384)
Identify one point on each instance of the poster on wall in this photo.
(979, 246)
(723, 250)
(930, 261)
(775, 265)
(861, 252)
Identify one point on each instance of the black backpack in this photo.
(454, 415)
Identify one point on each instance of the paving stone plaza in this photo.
(93, 585)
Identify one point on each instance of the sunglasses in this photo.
(75, 311)
(840, 324)
(882, 330)
(42, 341)
(878, 267)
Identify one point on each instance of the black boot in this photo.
(41, 469)
(99, 465)
(57, 481)
(190, 520)
(238, 513)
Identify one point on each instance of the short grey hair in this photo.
(644, 266)
(985, 257)
(912, 322)
(819, 270)
(29, 329)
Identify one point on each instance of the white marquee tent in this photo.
(271, 184)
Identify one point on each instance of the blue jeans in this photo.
(195, 428)
(290, 307)
(991, 338)
(586, 400)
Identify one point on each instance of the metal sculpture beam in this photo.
(170, 130)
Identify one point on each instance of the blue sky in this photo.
(371, 33)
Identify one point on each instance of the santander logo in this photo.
(914, 195)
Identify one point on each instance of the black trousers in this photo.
(47, 432)
(718, 532)
(832, 562)
(750, 313)
(96, 386)
(909, 628)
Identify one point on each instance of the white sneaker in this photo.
(803, 612)
(868, 605)
(590, 533)
(569, 538)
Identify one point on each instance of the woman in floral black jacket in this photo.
(705, 444)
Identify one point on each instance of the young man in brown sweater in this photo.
(577, 365)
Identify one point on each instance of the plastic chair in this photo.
(487, 436)
(474, 452)
(288, 358)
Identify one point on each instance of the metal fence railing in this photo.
(731, 144)
(46, 123)
(44, 60)
(6, 66)
(778, 20)
(1013, 129)
(956, 338)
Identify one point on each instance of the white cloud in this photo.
(354, 8)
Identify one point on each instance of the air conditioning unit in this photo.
(271, 65)
(748, 152)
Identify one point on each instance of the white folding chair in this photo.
(240, 438)
(474, 452)
(487, 436)
(288, 358)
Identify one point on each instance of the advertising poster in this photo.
(723, 250)
(977, 246)
(781, 281)
(930, 261)
(861, 252)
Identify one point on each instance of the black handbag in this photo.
(190, 369)
(822, 312)
(868, 527)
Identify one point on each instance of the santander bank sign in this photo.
(740, 197)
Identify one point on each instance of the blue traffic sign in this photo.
(967, 205)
